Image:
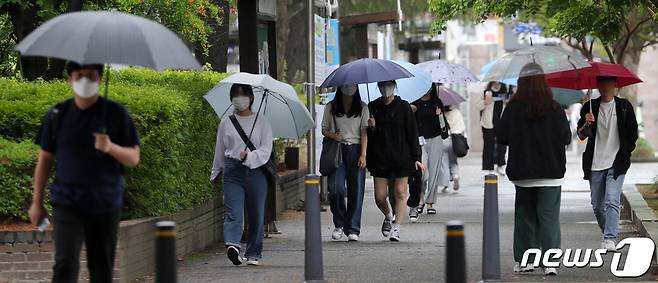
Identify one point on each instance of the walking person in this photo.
(89, 140)
(607, 157)
(393, 151)
(457, 127)
(491, 105)
(433, 131)
(245, 183)
(537, 133)
(345, 120)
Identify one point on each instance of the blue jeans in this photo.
(606, 199)
(348, 180)
(244, 186)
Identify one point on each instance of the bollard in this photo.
(313, 269)
(490, 233)
(455, 252)
(165, 252)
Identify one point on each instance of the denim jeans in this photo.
(244, 186)
(348, 181)
(606, 195)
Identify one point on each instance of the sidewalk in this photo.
(420, 255)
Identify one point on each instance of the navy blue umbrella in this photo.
(366, 70)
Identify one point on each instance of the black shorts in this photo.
(391, 172)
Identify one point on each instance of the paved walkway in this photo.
(420, 255)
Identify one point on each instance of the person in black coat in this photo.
(394, 151)
(536, 130)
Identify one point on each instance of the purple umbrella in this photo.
(449, 96)
(365, 70)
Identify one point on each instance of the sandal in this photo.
(420, 209)
(431, 211)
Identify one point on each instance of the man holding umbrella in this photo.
(88, 188)
(611, 137)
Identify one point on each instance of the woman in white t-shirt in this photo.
(345, 120)
(245, 184)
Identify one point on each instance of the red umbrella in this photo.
(586, 78)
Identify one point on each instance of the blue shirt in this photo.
(85, 178)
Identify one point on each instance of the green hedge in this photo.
(176, 125)
(643, 149)
(17, 161)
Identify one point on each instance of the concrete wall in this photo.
(648, 94)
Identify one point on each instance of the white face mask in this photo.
(348, 90)
(387, 90)
(495, 87)
(85, 88)
(241, 103)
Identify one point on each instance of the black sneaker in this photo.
(386, 227)
(233, 254)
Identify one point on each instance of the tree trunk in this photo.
(218, 40)
(56, 68)
(631, 60)
(282, 38)
(24, 20)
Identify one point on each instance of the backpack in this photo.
(54, 116)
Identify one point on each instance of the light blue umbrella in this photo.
(409, 89)
(566, 97)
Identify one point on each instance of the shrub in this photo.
(176, 125)
(643, 149)
(17, 160)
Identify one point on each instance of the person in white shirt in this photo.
(458, 127)
(491, 105)
(610, 126)
(245, 182)
(345, 120)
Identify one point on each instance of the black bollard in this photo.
(455, 252)
(313, 269)
(165, 252)
(490, 233)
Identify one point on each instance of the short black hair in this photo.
(246, 88)
(73, 66)
(605, 79)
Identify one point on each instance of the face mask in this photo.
(85, 87)
(387, 90)
(241, 103)
(495, 88)
(348, 90)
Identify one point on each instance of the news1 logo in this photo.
(637, 263)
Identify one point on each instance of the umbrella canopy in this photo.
(449, 96)
(487, 67)
(103, 37)
(409, 89)
(280, 105)
(444, 72)
(550, 58)
(586, 78)
(366, 70)
(566, 97)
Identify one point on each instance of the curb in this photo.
(642, 216)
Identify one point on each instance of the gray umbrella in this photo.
(103, 37)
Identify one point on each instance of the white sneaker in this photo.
(455, 184)
(395, 233)
(337, 234)
(413, 214)
(550, 271)
(518, 268)
(253, 262)
(609, 245)
(353, 237)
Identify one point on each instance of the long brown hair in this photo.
(533, 92)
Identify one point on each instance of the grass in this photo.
(650, 194)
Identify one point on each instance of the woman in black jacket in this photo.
(394, 152)
(536, 130)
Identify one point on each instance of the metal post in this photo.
(455, 252)
(309, 86)
(313, 268)
(490, 233)
(165, 252)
